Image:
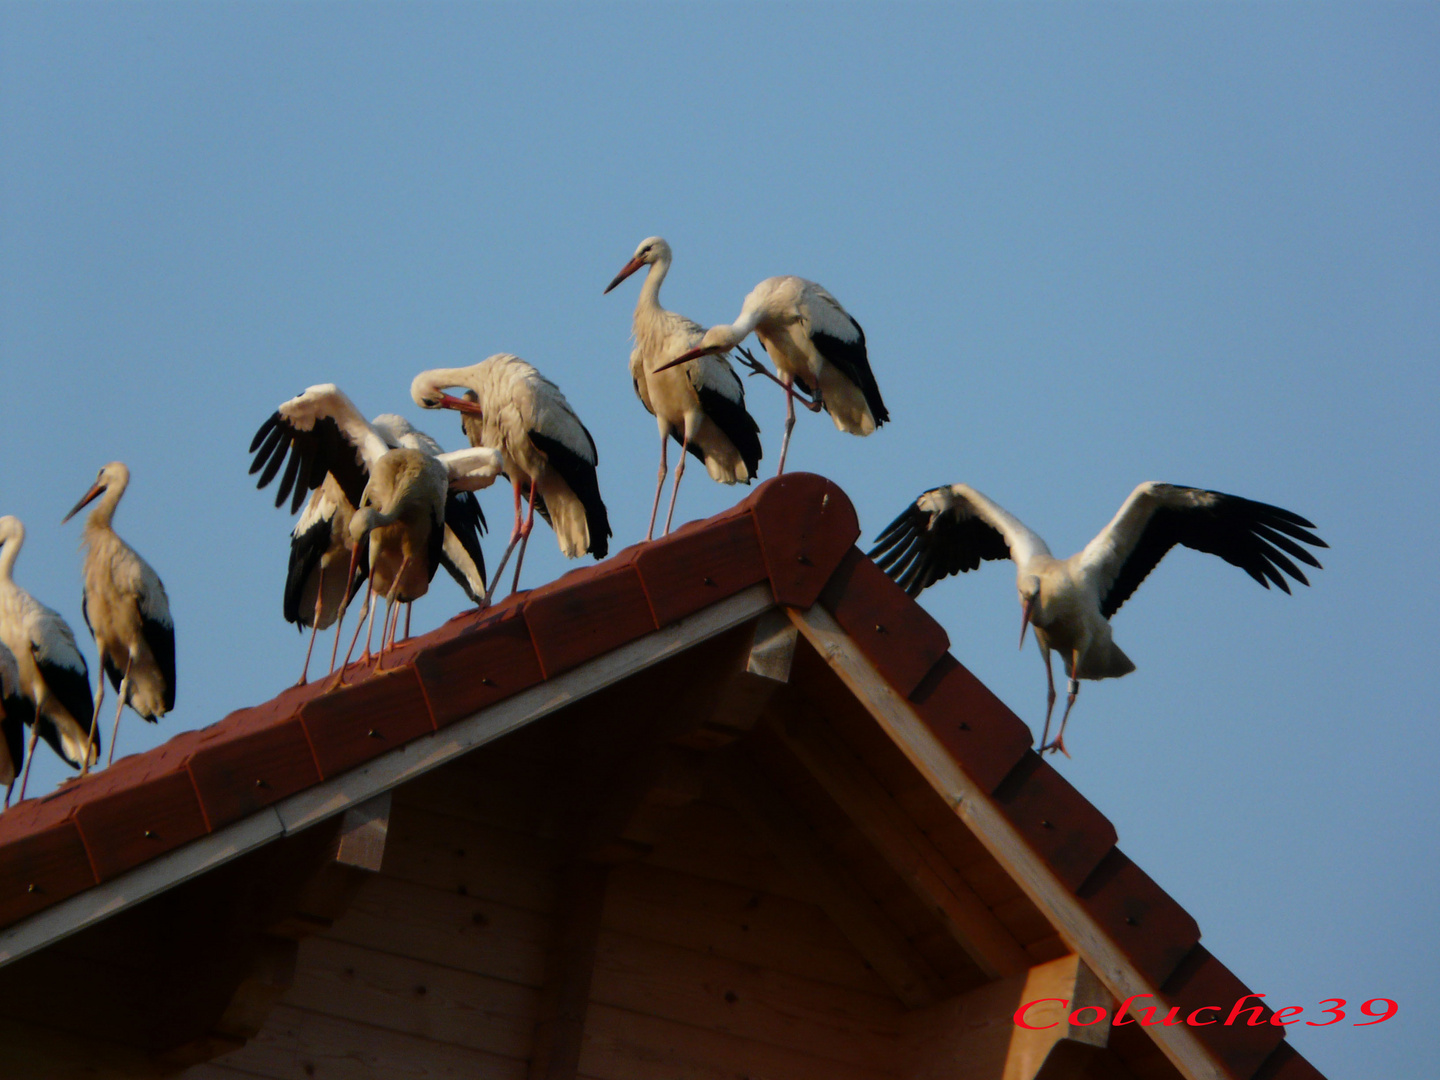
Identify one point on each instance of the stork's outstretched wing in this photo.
(949, 530)
(321, 432)
(1255, 536)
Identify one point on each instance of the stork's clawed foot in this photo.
(1057, 745)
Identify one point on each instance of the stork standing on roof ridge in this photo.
(126, 609)
(331, 448)
(1070, 602)
(52, 673)
(509, 406)
(702, 405)
(815, 344)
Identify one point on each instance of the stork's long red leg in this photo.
(119, 708)
(95, 716)
(514, 539)
(1049, 697)
(369, 597)
(789, 422)
(524, 537)
(30, 754)
(1074, 689)
(393, 606)
(314, 625)
(659, 483)
(679, 472)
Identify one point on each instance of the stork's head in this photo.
(652, 249)
(114, 476)
(1029, 587)
(428, 391)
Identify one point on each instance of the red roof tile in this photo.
(985, 737)
(699, 564)
(349, 726)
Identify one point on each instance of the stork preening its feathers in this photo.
(1070, 602)
(126, 609)
(702, 405)
(333, 450)
(815, 344)
(508, 406)
(52, 673)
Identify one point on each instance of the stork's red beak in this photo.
(1025, 619)
(89, 497)
(684, 358)
(625, 271)
(461, 405)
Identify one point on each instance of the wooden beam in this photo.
(975, 1036)
(569, 965)
(354, 857)
(899, 840)
(980, 814)
(787, 834)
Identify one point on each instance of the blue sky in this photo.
(1090, 245)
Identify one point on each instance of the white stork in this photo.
(53, 675)
(815, 343)
(16, 711)
(511, 407)
(701, 406)
(317, 585)
(1070, 601)
(126, 609)
(326, 438)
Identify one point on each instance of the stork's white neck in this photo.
(649, 300)
(104, 511)
(9, 552)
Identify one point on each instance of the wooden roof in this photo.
(884, 719)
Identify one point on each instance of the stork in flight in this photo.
(52, 673)
(126, 609)
(815, 344)
(16, 711)
(509, 406)
(1070, 602)
(332, 449)
(702, 406)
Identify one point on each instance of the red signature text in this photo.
(1377, 1009)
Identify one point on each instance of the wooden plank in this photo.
(715, 843)
(746, 925)
(569, 966)
(462, 932)
(401, 993)
(624, 1045)
(999, 836)
(795, 844)
(211, 1071)
(904, 847)
(301, 1045)
(755, 1003)
(467, 858)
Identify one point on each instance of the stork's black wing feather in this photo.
(732, 418)
(853, 361)
(19, 713)
(922, 546)
(160, 638)
(466, 521)
(307, 457)
(1254, 536)
(580, 475)
(72, 689)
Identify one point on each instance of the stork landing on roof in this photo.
(332, 449)
(511, 407)
(126, 609)
(949, 530)
(52, 673)
(701, 406)
(815, 343)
